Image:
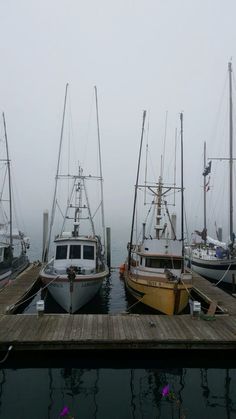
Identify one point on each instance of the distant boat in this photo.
(154, 272)
(76, 272)
(212, 258)
(13, 243)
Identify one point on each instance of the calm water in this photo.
(115, 391)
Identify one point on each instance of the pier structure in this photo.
(56, 333)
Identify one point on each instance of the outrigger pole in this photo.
(136, 190)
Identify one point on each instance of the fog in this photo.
(163, 56)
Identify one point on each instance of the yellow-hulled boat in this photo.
(155, 272)
(162, 289)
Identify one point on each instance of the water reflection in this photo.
(115, 393)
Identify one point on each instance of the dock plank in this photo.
(126, 331)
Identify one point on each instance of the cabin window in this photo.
(89, 252)
(61, 252)
(163, 263)
(75, 252)
(7, 253)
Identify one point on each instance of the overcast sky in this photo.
(165, 56)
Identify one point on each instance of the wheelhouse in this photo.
(160, 262)
(82, 254)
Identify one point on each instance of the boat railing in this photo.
(50, 269)
(19, 261)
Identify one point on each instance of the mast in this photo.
(158, 226)
(46, 250)
(182, 189)
(136, 190)
(9, 182)
(204, 195)
(100, 169)
(230, 152)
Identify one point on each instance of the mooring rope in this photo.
(222, 276)
(6, 356)
(134, 304)
(32, 296)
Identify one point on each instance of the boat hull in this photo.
(19, 264)
(216, 270)
(168, 297)
(72, 295)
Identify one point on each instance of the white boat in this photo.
(154, 272)
(76, 272)
(13, 243)
(212, 258)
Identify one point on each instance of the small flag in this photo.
(207, 169)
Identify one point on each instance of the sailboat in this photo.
(13, 243)
(154, 272)
(76, 271)
(213, 258)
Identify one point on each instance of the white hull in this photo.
(71, 296)
(217, 270)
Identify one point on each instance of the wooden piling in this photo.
(108, 240)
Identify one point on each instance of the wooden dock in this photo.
(106, 332)
(19, 289)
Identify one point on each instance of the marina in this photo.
(117, 210)
(213, 329)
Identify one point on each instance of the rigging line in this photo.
(186, 224)
(96, 211)
(9, 178)
(136, 190)
(175, 163)
(164, 146)
(145, 181)
(100, 171)
(67, 208)
(87, 138)
(69, 122)
(60, 210)
(46, 250)
(16, 201)
(219, 111)
(88, 208)
(3, 184)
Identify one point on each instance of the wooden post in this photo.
(45, 236)
(108, 240)
(233, 284)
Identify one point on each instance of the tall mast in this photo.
(9, 180)
(100, 169)
(136, 190)
(230, 152)
(46, 250)
(182, 189)
(204, 194)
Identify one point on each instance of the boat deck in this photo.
(64, 332)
